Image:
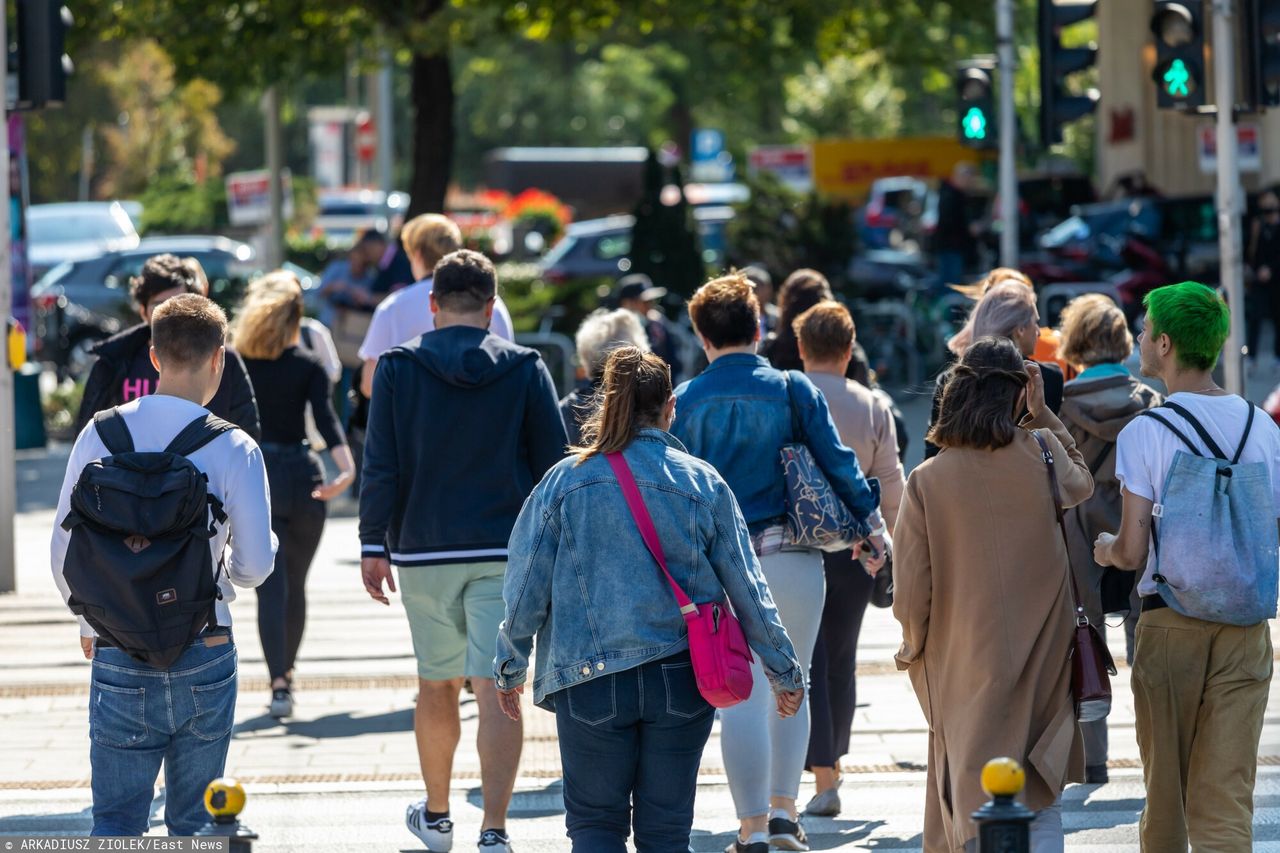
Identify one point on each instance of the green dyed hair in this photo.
(1195, 318)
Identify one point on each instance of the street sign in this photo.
(1248, 147)
(791, 164)
(366, 138)
(249, 197)
(709, 161)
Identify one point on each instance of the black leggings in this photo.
(297, 520)
(833, 688)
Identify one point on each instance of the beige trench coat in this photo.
(980, 587)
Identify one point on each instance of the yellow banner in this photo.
(847, 167)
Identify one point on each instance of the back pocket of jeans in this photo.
(215, 709)
(118, 715)
(594, 702)
(683, 697)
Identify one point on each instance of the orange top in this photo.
(1047, 350)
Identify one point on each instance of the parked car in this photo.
(345, 214)
(894, 213)
(600, 248)
(78, 303)
(75, 231)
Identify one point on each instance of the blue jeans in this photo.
(632, 742)
(139, 717)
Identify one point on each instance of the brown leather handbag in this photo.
(1091, 662)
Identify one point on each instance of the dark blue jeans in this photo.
(631, 742)
(140, 717)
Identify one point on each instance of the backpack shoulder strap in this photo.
(1151, 413)
(197, 434)
(1248, 428)
(113, 431)
(1200, 430)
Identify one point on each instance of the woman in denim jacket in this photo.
(613, 659)
(737, 415)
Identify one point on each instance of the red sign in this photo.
(366, 137)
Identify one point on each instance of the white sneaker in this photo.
(492, 841)
(437, 835)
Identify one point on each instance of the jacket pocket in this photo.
(215, 709)
(594, 702)
(683, 697)
(118, 715)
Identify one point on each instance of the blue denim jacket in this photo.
(737, 415)
(581, 579)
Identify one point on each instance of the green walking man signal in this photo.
(975, 124)
(1176, 79)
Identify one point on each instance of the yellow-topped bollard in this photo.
(224, 799)
(1004, 824)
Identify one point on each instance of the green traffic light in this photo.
(974, 124)
(1176, 79)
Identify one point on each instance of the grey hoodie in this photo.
(1094, 411)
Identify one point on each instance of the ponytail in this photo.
(635, 388)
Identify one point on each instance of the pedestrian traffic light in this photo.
(1178, 26)
(43, 67)
(1262, 53)
(1058, 104)
(975, 104)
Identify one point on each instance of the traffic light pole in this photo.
(1008, 136)
(8, 415)
(1229, 191)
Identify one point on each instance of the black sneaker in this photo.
(492, 841)
(787, 834)
(738, 847)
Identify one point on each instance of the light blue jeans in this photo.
(140, 716)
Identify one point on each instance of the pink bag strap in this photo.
(644, 522)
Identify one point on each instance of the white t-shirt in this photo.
(237, 477)
(406, 314)
(1145, 449)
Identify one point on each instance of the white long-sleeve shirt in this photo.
(237, 477)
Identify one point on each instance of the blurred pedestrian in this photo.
(347, 282)
(462, 426)
(1047, 345)
(762, 281)
(981, 588)
(955, 236)
(865, 425)
(144, 715)
(1264, 288)
(598, 336)
(613, 657)
(1096, 406)
(1006, 310)
(737, 415)
(268, 333)
(637, 294)
(1200, 685)
(124, 371)
(406, 314)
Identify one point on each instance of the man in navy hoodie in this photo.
(462, 426)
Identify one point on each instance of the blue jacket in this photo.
(462, 425)
(737, 415)
(581, 579)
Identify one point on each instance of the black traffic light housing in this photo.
(1179, 75)
(976, 103)
(43, 66)
(1058, 106)
(1262, 53)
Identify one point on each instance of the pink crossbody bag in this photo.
(717, 646)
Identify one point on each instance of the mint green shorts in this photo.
(454, 612)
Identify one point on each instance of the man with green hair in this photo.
(1200, 687)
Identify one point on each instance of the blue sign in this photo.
(707, 145)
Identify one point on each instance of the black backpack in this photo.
(139, 565)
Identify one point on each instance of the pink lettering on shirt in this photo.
(135, 388)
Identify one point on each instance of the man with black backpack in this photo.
(1200, 480)
(152, 491)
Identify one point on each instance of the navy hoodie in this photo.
(462, 426)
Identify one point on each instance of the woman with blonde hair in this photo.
(1096, 406)
(288, 378)
(613, 658)
(981, 588)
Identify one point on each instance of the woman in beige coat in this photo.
(980, 587)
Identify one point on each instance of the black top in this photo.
(286, 385)
(124, 372)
